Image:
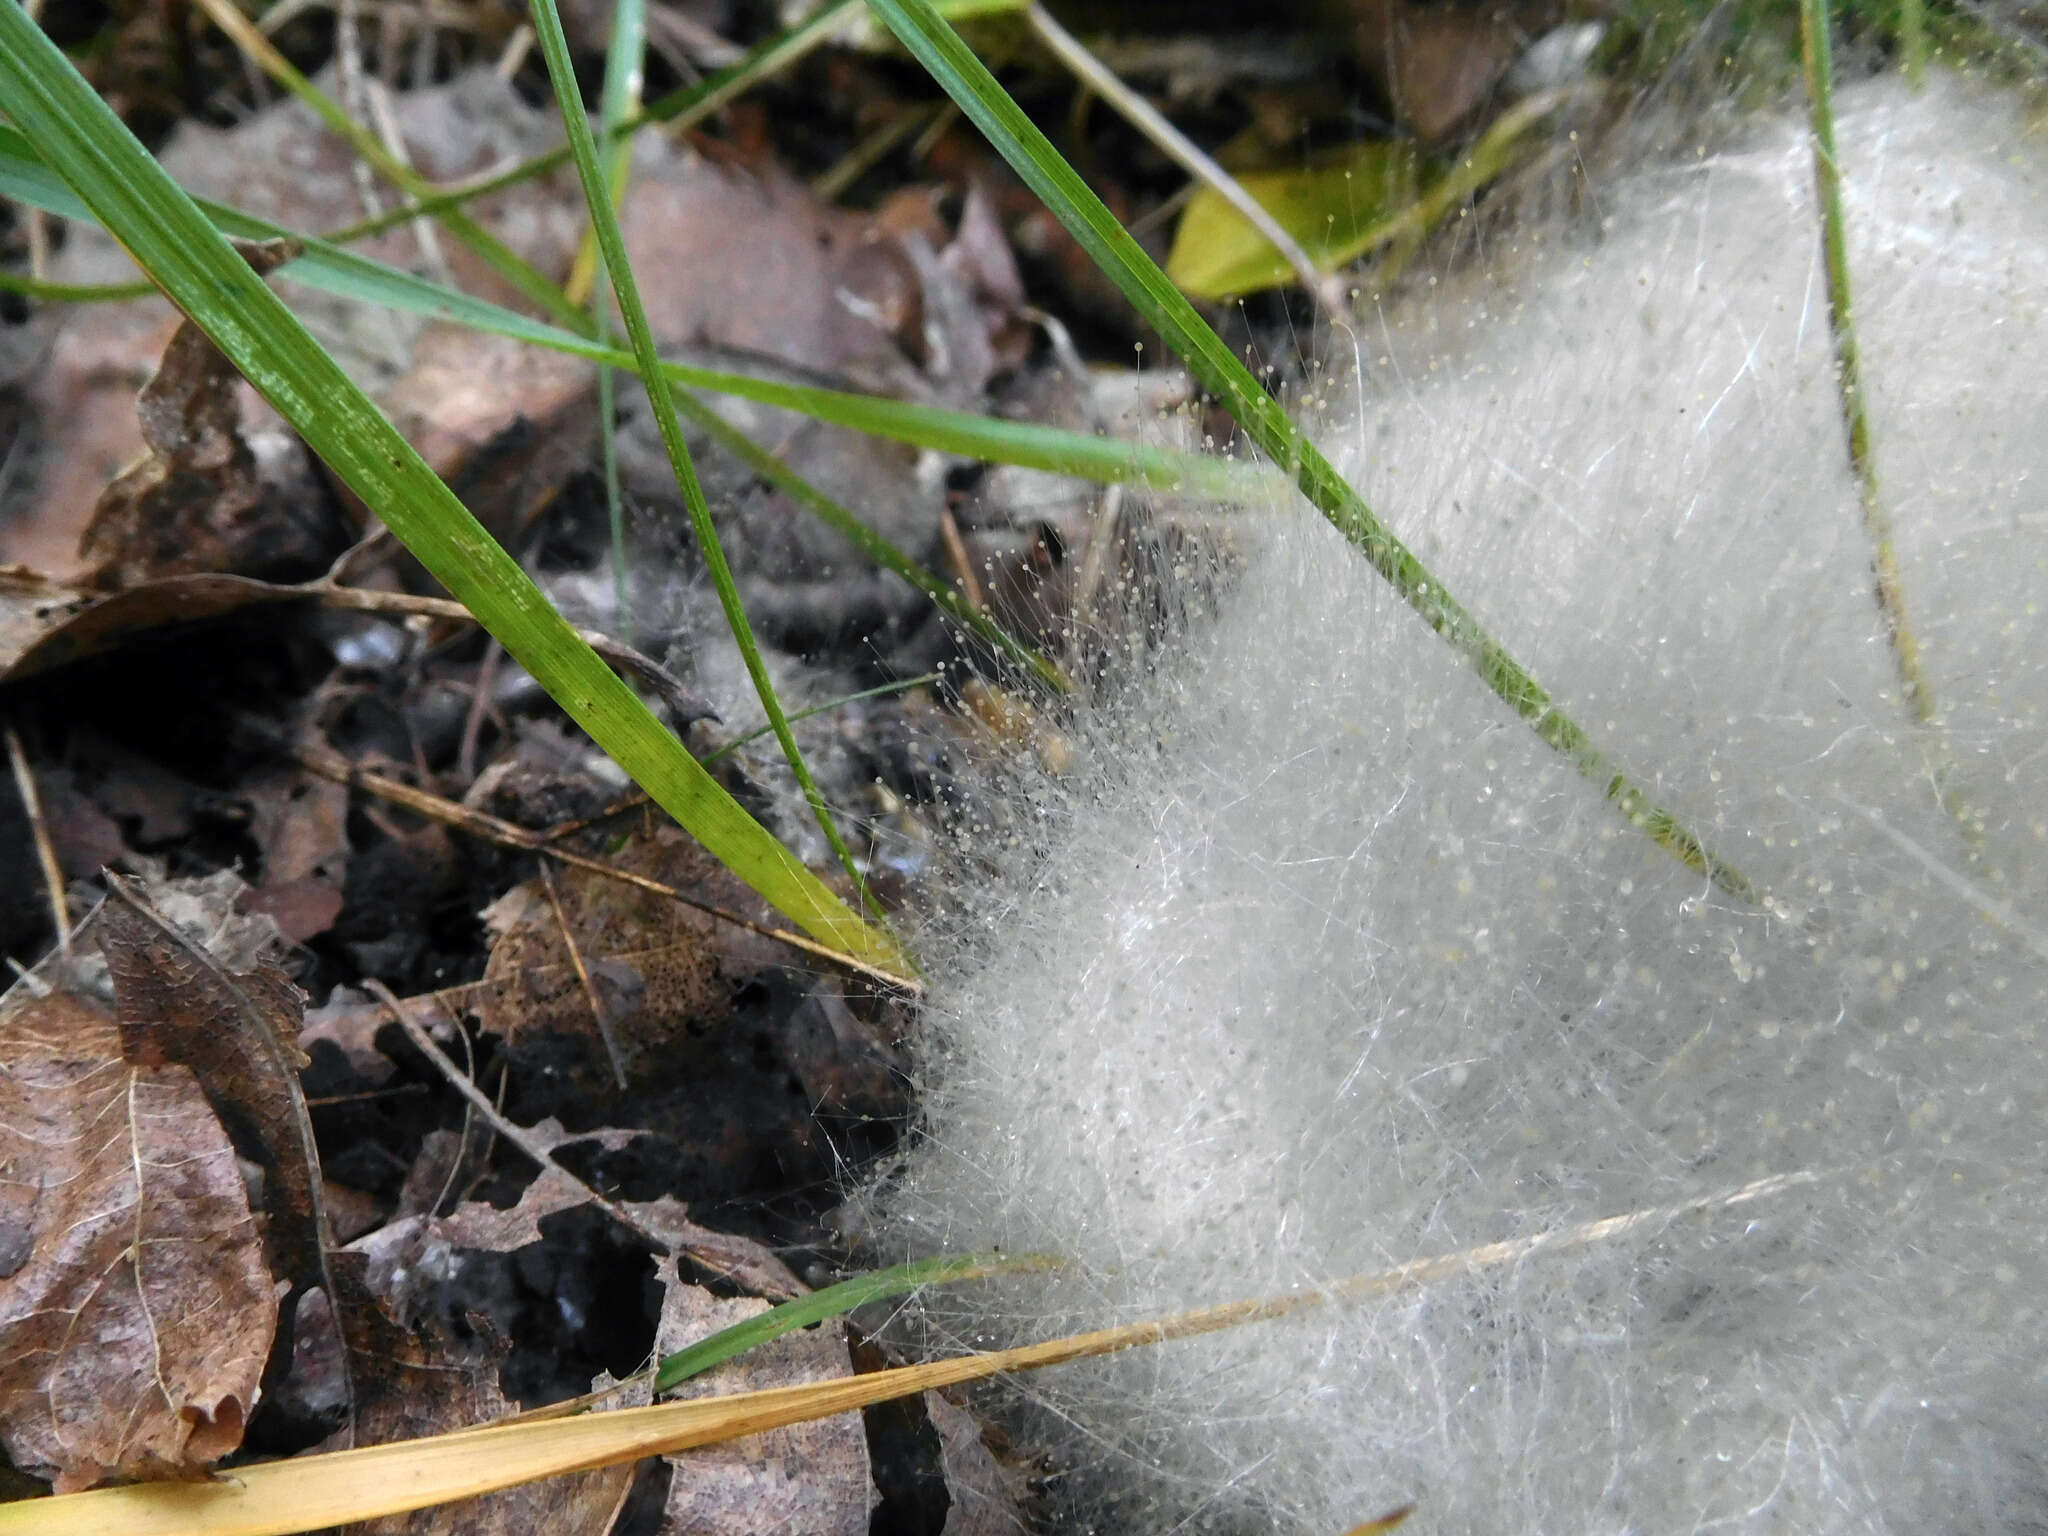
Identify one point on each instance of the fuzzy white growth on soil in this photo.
(1334, 967)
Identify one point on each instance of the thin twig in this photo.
(518, 1135)
(338, 769)
(348, 60)
(385, 118)
(1183, 151)
(597, 1013)
(46, 854)
(963, 566)
(686, 704)
(479, 706)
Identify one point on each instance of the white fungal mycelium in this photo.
(1333, 966)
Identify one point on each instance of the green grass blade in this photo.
(624, 65)
(833, 1301)
(345, 274)
(73, 293)
(963, 77)
(1816, 48)
(611, 243)
(79, 138)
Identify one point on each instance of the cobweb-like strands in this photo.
(1331, 968)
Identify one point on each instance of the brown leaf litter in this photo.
(137, 1309)
(809, 1477)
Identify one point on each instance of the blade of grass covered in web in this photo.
(611, 241)
(1816, 51)
(964, 78)
(78, 137)
(882, 690)
(337, 1487)
(671, 1371)
(344, 274)
(1816, 48)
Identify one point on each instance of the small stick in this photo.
(479, 706)
(622, 656)
(744, 1263)
(520, 1137)
(963, 567)
(46, 855)
(338, 769)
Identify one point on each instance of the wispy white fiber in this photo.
(1333, 968)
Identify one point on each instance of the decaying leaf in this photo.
(300, 821)
(503, 422)
(414, 1379)
(136, 1309)
(46, 623)
(236, 1030)
(809, 1477)
(197, 500)
(619, 968)
(1437, 63)
(422, 1241)
(1333, 206)
(987, 1495)
(281, 164)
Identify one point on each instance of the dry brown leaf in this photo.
(1437, 63)
(811, 1477)
(281, 164)
(45, 623)
(807, 287)
(422, 1242)
(197, 501)
(654, 966)
(502, 421)
(988, 1496)
(237, 1031)
(300, 821)
(413, 1380)
(136, 1311)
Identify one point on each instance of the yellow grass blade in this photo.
(312, 1492)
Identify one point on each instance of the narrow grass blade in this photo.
(832, 1301)
(611, 241)
(624, 65)
(81, 139)
(963, 77)
(1913, 41)
(618, 100)
(332, 270)
(1816, 48)
(73, 293)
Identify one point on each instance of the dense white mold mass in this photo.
(1333, 966)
